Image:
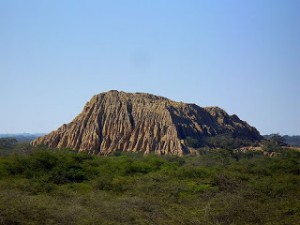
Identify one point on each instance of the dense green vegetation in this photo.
(292, 140)
(227, 140)
(11, 145)
(285, 139)
(7, 143)
(217, 187)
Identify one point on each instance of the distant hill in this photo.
(293, 141)
(141, 122)
(22, 137)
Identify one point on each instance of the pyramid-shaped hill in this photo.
(122, 121)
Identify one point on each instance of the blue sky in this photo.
(243, 56)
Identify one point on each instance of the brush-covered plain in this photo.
(42, 186)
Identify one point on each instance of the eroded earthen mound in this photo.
(115, 120)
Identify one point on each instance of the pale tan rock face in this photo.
(142, 122)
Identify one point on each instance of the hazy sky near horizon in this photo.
(243, 56)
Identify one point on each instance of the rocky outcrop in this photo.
(142, 122)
